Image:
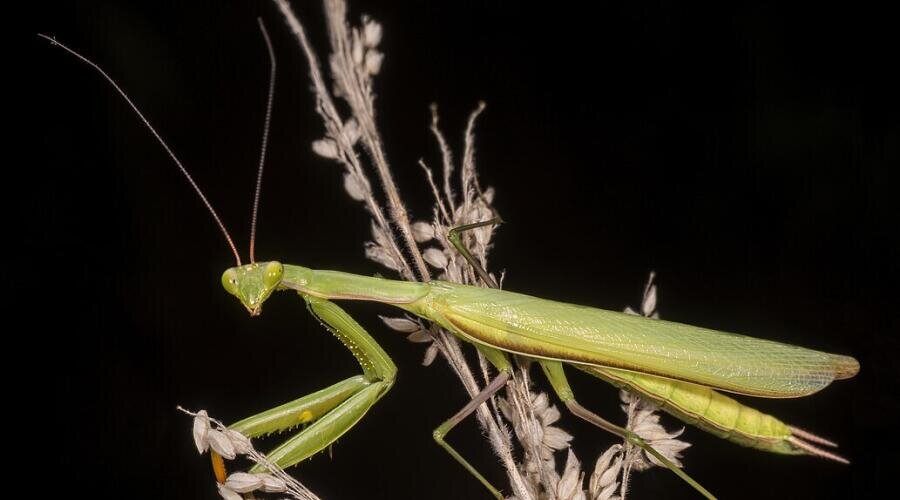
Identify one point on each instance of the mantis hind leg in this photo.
(489, 390)
(329, 412)
(554, 372)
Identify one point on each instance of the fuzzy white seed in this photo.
(325, 148)
(569, 481)
(422, 231)
(381, 256)
(540, 403)
(371, 33)
(550, 416)
(609, 493)
(243, 482)
(353, 187)
(419, 337)
(229, 494)
(435, 257)
(556, 438)
(220, 443)
(379, 234)
(489, 194)
(608, 476)
(402, 325)
(373, 61)
(201, 431)
(271, 484)
(351, 131)
(430, 354)
(600, 479)
(240, 442)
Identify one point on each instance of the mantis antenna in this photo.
(265, 138)
(165, 146)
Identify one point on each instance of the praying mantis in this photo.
(500, 322)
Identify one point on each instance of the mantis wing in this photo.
(583, 335)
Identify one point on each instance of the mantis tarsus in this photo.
(677, 365)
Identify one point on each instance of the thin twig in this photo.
(332, 119)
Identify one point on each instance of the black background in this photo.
(745, 153)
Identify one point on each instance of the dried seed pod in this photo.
(353, 187)
(570, 481)
(325, 148)
(606, 470)
(556, 438)
(402, 325)
(220, 443)
(435, 257)
(430, 354)
(243, 482)
(272, 484)
(371, 32)
(419, 337)
(422, 231)
(351, 131)
(228, 494)
(201, 431)
(373, 61)
(240, 442)
(381, 255)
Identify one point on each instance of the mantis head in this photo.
(253, 283)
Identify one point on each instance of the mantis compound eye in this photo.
(273, 273)
(230, 281)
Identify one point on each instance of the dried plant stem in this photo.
(333, 124)
(358, 95)
(447, 157)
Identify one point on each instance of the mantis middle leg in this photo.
(332, 411)
(498, 359)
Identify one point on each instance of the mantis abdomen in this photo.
(713, 412)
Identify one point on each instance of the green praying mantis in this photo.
(685, 369)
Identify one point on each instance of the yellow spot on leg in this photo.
(305, 416)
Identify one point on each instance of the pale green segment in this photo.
(577, 334)
(325, 430)
(345, 286)
(301, 411)
(705, 408)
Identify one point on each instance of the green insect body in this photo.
(677, 366)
